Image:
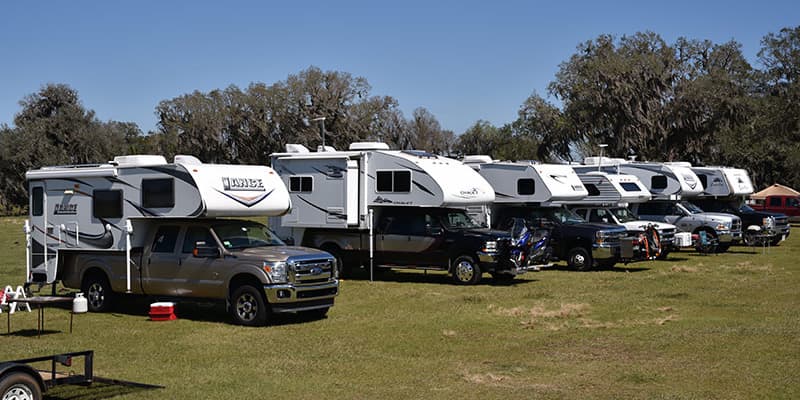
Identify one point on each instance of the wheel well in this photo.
(26, 369)
(330, 246)
(243, 279)
(93, 271)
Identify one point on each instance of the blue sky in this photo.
(462, 60)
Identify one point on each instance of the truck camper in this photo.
(665, 181)
(372, 206)
(104, 227)
(536, 192)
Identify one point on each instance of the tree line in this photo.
(691, 100)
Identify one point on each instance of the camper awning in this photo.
(775, 190)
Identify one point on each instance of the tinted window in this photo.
(599, 215)
(37, 208)
(394, 181)
(413, 224)
(107, 203)
(158, 193)
(301, 184)
(652, 209)
(775, 201)
(658, 182)
(526, 186)
(197, 234)
(592, 189)
(165, 239)
(630, 187)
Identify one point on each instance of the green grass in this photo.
(721, 326)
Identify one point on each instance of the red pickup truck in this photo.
(785, 204)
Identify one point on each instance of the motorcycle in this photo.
(650, 242)
(530, 248)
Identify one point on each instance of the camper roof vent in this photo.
(477, 159)
(139, 160)
(325, 149)
(296, 148)
(187, 160)
(369, 146)
(679, 163)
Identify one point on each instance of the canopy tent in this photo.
(775, 190)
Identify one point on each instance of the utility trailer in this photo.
(28, 379)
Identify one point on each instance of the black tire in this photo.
(466, 271)
(721, 248)
(248, 306)
(336, 252)
(580, 259)
(98, 292)
(776, 241)
(20, 385)
(663, 255)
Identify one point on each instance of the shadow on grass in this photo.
(30, 332)
(437, 277)
(101, 388)
(615, 268)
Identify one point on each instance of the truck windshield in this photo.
(693, 209)
(559, 215)
(244, 234)
(624, 215)
(458, 220)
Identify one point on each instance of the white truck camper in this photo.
(665, 181)
(611, 189)
(723, 181)
(372, 206)
(106, 207)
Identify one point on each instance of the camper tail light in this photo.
(490, 246)
(277, 271)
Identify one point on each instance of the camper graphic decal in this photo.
(690, 181)
(468, 194)
(332, 213)
(423, 188)
(383, 200)
(103, 240)
(247, 201)
(243, 184)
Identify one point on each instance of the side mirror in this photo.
(203, 251)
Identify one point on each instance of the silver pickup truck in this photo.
(239, 261)
(687, 217)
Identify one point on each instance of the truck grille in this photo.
(311, 271)
(736, 225)
(667, 235)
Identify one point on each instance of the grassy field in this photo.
(722, 326)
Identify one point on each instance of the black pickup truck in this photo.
(445, 239)
(582, 244)
(775, 225)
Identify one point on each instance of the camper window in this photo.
(107, 203)
(393, 181)
(303, 184)
(592, 189)
(37, 208)
(165, 240)
(526, 186)
(197, 234)
(703, 179)
(658, 182)
(158, 193)
(630, 186)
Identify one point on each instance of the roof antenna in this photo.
(600, 161)
(321, 129)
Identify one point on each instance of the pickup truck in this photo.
(784, 204)
(445, 239)
(582, 244)
(776, 225)
(726, 229)
(622, 216)
(241, 262)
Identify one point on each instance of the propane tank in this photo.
(79, 304)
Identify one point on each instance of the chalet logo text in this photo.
(66, 209)
(243, 184)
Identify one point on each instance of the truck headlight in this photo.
(768, 222)
(490, 246)
(723, 226)
(277, 271)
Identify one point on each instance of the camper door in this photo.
(44, 239)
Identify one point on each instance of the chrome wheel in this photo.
(96, 295)
(579, 260)
(18, 392)
(465, 271)
(247, 307)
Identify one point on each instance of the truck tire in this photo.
(336, 252)
(721, 248)
(20, 385)
(248, 306)
(663, 255)
(99, 296)
(466, 271)
(580, 259)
